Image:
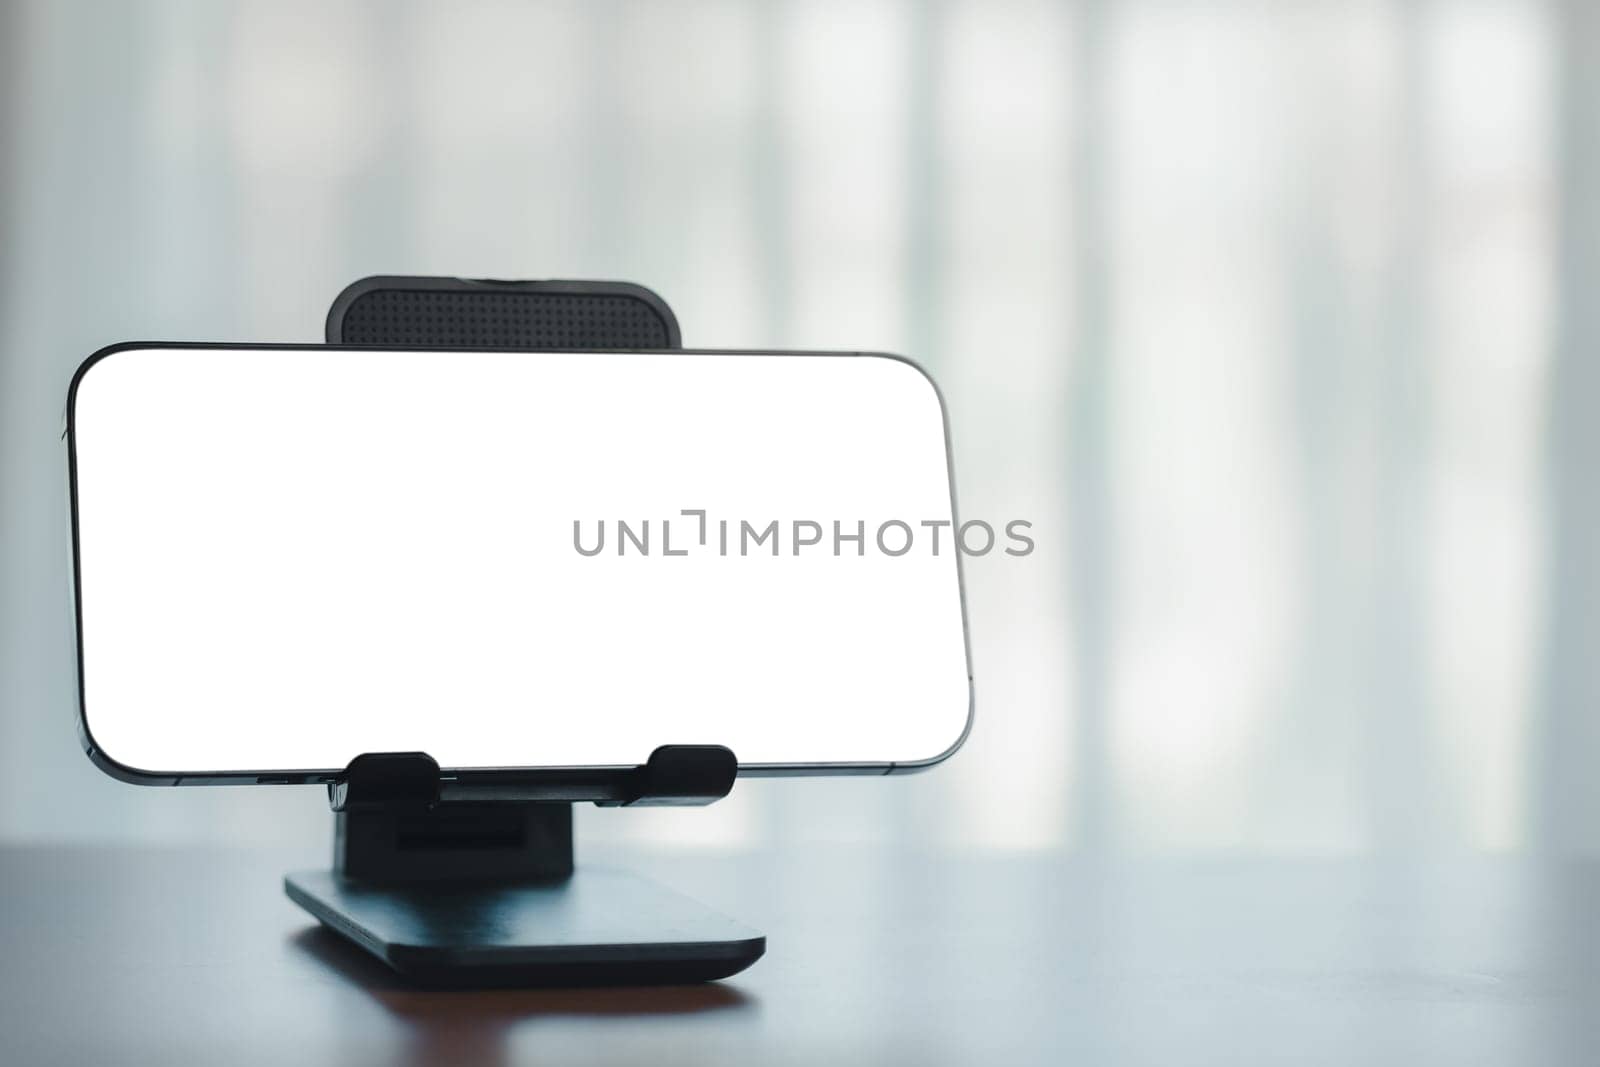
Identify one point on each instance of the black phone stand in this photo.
(473, 883)
(468, 880)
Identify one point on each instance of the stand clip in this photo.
(680, 774)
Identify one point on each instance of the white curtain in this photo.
(1275, 320)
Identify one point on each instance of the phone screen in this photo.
(286, 557)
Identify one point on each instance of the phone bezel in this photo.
(561, 782)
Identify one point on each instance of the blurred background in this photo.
(1274, 319)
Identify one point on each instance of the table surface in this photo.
(122, 955)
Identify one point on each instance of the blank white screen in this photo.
(289, 557)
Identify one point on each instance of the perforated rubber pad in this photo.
(461, 314)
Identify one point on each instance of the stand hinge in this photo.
(673, 775)
(397, 821)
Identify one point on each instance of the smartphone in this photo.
(286, 556)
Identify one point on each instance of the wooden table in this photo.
(169, 956)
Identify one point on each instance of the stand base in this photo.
(597, 927)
